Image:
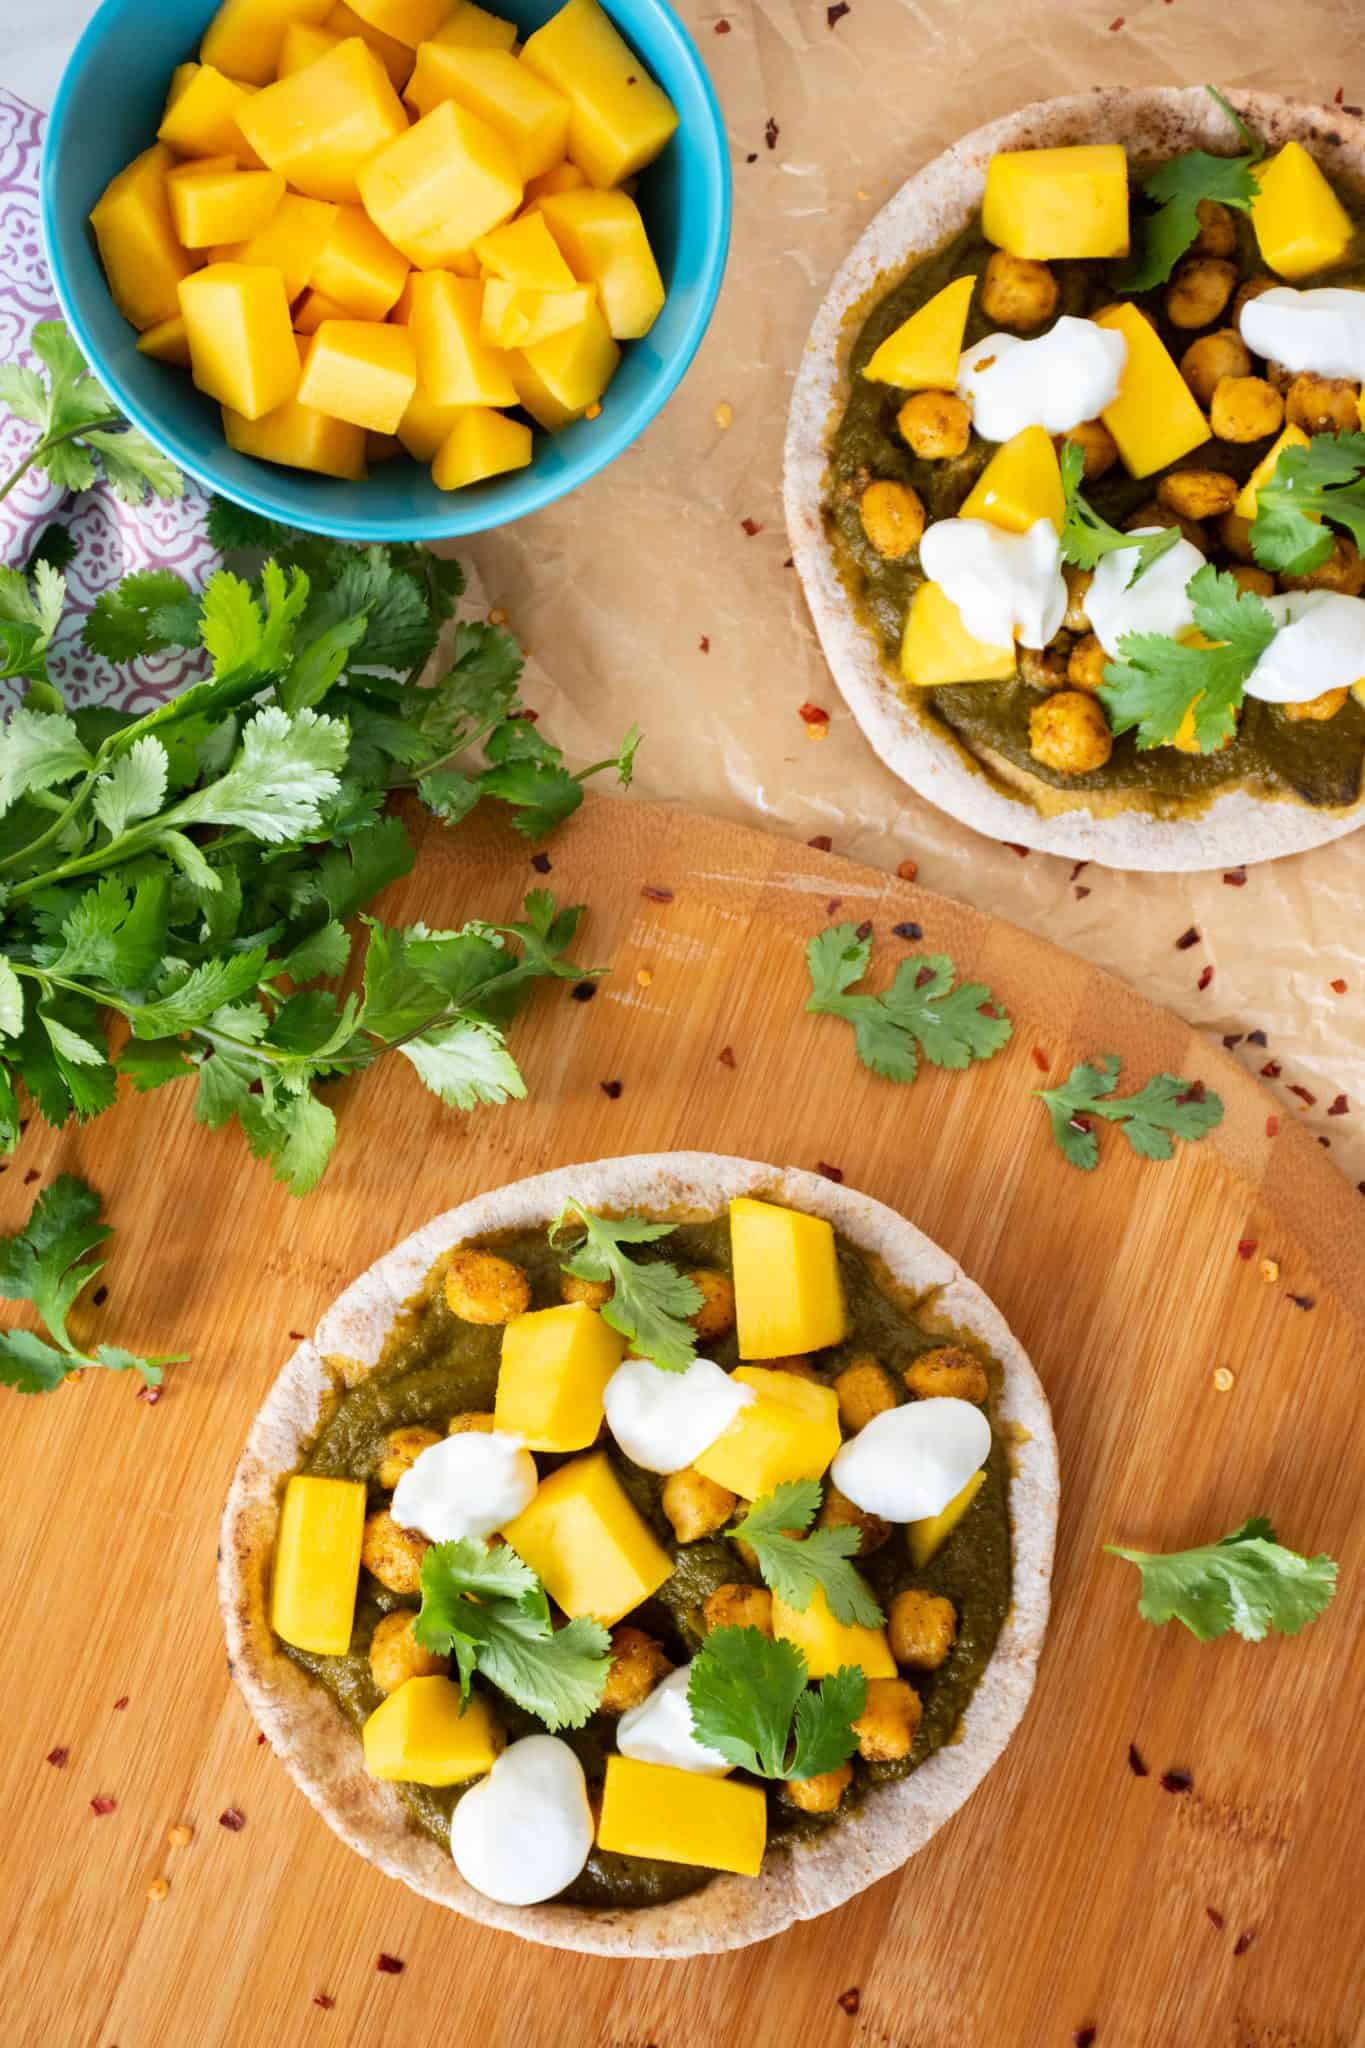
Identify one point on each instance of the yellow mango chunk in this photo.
(476, 28)
(395, 57)
(291, 241)
(568, 373)
(167, 341)
(788, 1296)
(454, 366)
(440, 185)
(524, 252)
(303, 45)
(928, 1536)
(604, 242)
(244, 37)
(923, 352)
(299, 437)
(136, 237)
(555, 1361)
(212, 201)
(201, 115)
(515, 316)
(1292, 437)
(565, 177)
(242, 348)
(317, 1563)
(790, 1431)
(319, 125)
(621, 119)
(675, 1816)
(1021, 484)
(826, 1643)
(481, 444)
(407, 21)
(425, 1734)
(584, 1539)
(531, 115)
(1300, 223)
(426, 424)
(357, 268)
(1058, 203)
(1155, 419)
(936, 647)
(313, 308)
(364, 371)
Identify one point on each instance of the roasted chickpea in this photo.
(1154, 513)
(1259, 581)
(1078, 582)
(1325, 706)
(1217, 230)
(893, 518)
(820, 1794)
(1017, 292)
(591, 1293)
(1245, 409)
(483, 1288)
(864, 1388)
(1200, 289)
(797, 1364)
(1069, 732)
(392, 1554)
(1214, 356)
(1343, 570)
(716, 1316)
(922, 1628)
(1235, 534)
(1252, 289)
(1097, 445)
(1323, 405)
(396, 1655)
(1085, 665)
(637, 1664)
(1043, 668)
(837, 1511)
(1198, 493)
(935, 424)
(695, 1506)
(402, 1449)
(950, 1369)
(470, 1418)
(886, 1727)
(736, 1606)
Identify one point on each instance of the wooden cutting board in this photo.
(1073, 1891)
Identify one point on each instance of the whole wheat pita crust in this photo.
(1236, 827)
(318, 1746)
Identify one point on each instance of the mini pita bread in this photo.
(1239, 825)
(320, 1748)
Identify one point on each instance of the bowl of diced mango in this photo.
(388, 269)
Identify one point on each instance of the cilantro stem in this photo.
(34, 458)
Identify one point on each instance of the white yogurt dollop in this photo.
(1157, 602)
(1320, 646)
(659, 1731)
(467, 1485)
(1005, 585)
(1322, 330)
(1067, 375)
(909, 1462)
(523, 1832)
(665, 1420)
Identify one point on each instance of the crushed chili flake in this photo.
(583, 991)
(752, 157)
(835, 1173)
(1176, 1781)
(822, 842)
(812, 714)
(1080, 892)
(1015, 847)
(260, 1742)
(1084, 2037)
(120, 1704)
(391, 1966)
(1257, 1038)
(151, 1395)
(1338, 988)
(324, 1999)
(1214, 1915)
(1272, 1127)
(1205, 978)
(1325, 1143)
(102, 1804)
(908, 929)
(233, 1819)
(864, 930)
(1041, 1060)
(907, 870)
(1078, 868)
(833, 905)
(1304, 1094)
(652, 893)
(1245, 1247)
(722, 28)
(1079, 1123)
(925, 975)
(541, 863)
(296, 1336)
(101, 1294)
(726, 1056)
(611, 1089)
(1188, 938)
(1338, 96)
(751, 527)
(1137, 1763)
(1271, 1071)
(1303, 1301)
(1338, 1106)
(30, 1176)
(849, 2001)
(1116, 23)
(1194, 1093)
(1231, 1039)
(705, 643)
(771, 133)
(1243, 1942)
(834, 15)
(1235, 878)
(58, 1758)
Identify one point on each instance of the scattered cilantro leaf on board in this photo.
(488, 1609)
(921, 1014)
(1324, 481)
(746, 1690)
(1158, 683)
(651, 1301)
(1246, 1583)
(1087, 537)
(79, 427)
(1176, 188)
(1151, 1120)
(797, 1566)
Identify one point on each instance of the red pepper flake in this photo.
(30, 1176)
(771, 133)
(833, 905)
(1116, 23)
(1215, 1917)
(101, 1294)
(653, 894)
(834, 15)
(1084, 2037)
(391, 1966)
(1338, 96)
(1137, 1763)
(813, 714)
(1303, 1301)
(705, 643)
(834, 1173)
(541, 863)
(907, 870)
(1194, 1093)
(1272, 1127)
(1338, 1106)
(260, 1742)
(1304, 1094)
(1271, 1071)
(1176, 1781)
(1014, 847)
(611, 1089)
(1080, 892)
(1188, 938)
(1338, 988)
(849, 2001)
(1078, 868)
(751, 527)
(1041, 1060)
(324, 1999)
(722, 28)
(583, 991)
(752, 157)
(908, 929)
(1231, 1039)
(864, 930)
(727, 1056)
(523, 717)
(151, 1395)
(1205, 978)
(925, 975)
(1257, 1038)
(1079, 1123)
(120, 1704)
(233, 1819)
(297, 1336)
(57, 1758)
(1243, 1942)
(1245, 1247)
(1325, 1143)
(821, 842)
(102, 1804)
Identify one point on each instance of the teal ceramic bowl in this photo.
(107, 110)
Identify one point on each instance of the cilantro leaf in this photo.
(1087, 537)
(38, 749)
(1158, 683)
(1176, 188)
(122, 623)
(920, 1013)
(1324, 481)
(745, 1690)
(466, 1063)
(489, 1609)
(74, 416)
(1246, 1582)
(285, 770)
(11, 1001)
(135, 467)
(825, 1735)
(650, 1301)
(134, 788)
(1166, 1109)
(29, 1365)
(796, 1567)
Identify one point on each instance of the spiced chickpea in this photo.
(950, 1369)
(1198, 493)
(1085, 664)
(886, 1727)
(737, 1606)
(1154, 513)
(481, 1287)
(590, 1293)
(1043, 668)
(1069, 733)
(716, 1316)
(695, 1506)
(935, 424)
(893, 518)
(1252, 289)
(1235, 534)
(638, 1662)
(1245, 409)
(1078, 582)
(393, 1555)
(863, 1389)
(1214, 356)
(1217, 230)
(402, 1449)
(819, 1794)
(1200, 289)
(1325, 706)
(837, 1511)
(1259, 582)
(797, 1364)
(1097, 445)
(396, 1655)
(1323, 405)
(1342, 571)
(921, 1628)
(1017, 292)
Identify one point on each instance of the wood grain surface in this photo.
(1070, 1893)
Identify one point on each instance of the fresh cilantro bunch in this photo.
(1324, 481)
(795, 1565)
(750, 1701)
(1087, 536)
(1176, 188)
(482, 1605)
(80, 429)
(1158, 683)
(1246, 1582)
(48, 1263)
(1151, 1120)
(651, 1301)
(920, 1014)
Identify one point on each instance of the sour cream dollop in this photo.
(523, 1832)
(909, 1462)
(1067, 375)
(467, 1485)
(659, 1731)
(665, 1420)
(1320, 646)
(1005, 585)
(1158, 601)
(1322, 330)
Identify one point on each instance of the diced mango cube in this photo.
(790, 1431)
(364, 371)
(291, 241)
(320, 125)
(936, 647)
(407, 21)
(1021, 484)
(1300, 223)
(426, 424)
(673, 1816)
(826, 1643)
(525, 252)
(922, 354)
(1155, 419)
(454, 366)
(395, 57)
(476, 28)
(604, 242)
(201, 115)
(317, 1563)
(244, 37)
(303, 44)
(1292, 437)
(313, 308)
(531, 115)
(479, 445)
(299, 437)
(928, 1536)
(555, 1361)
(212, 201)
(242, 348)
(440, 185)
(357, 268)
(167, 341)
(563, 376)
(142, 258)
(584, 1539)
(516, 316)
(788, 1295)
(1058, 203)
(426, 1734)
(621, 119)
(565, 177)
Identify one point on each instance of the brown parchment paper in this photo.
(644, 596)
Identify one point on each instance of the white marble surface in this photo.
(37, 37)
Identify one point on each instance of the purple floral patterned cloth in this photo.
(111, 538)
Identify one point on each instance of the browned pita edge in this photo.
(1152, 123)
(319, 1747)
